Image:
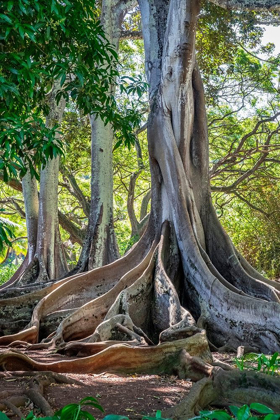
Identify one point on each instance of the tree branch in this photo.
(76, 190)
(250, 204)
(76, 234)
(13, 183)
(131, 35)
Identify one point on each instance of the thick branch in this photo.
(76, 190)
(131, 35)
(76, 234)
(144, 205)
(14, 183)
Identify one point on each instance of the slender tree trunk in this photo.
(100, 246)
(52, 263)
(31, 204)
(45, 260)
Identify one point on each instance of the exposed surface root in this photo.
(52, 377)
(67, 295)
(35, 393)
(13, 402)
(33, 390)
(122, 358)
(226, 388)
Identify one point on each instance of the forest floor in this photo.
(128, 395)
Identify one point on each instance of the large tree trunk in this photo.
(100, 246)
(184, 273)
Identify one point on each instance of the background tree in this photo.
(76, 79)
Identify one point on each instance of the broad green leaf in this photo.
(243, 412)
(5, 17)
(272, 417)
(219, 415)
(260, 408)
(234, 410)
(10, 5)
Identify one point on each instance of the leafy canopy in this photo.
(43, 42)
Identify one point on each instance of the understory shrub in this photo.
(254, 411)
(76, 412)
(259, 362)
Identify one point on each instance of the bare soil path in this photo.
(129, 395)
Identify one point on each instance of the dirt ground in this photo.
(129, 395)
(132, 396)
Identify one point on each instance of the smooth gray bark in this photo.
(31, 204)
(100, 245)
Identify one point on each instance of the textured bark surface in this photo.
(226, 388)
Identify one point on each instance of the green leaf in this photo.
(21, 32)
(234, 410)
(6, 18)
(274, 358)
(30, 416)
(3, 416)
(272, 417)
(80, 77)
(260, 408)
(63, 78)
(219, 415)
(243, 412)
(10, 5)
(93, 402)
(84, 415)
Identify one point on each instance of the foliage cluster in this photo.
(259, 362)
(77, 412)
(6, 272)
(44, 46)
(254, 411)
(42, 43)
(243, 122)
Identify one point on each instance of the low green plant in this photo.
(259, 362)
(254, 411)
(69, 412)
(76, 412)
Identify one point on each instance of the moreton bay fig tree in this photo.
(151, 310)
